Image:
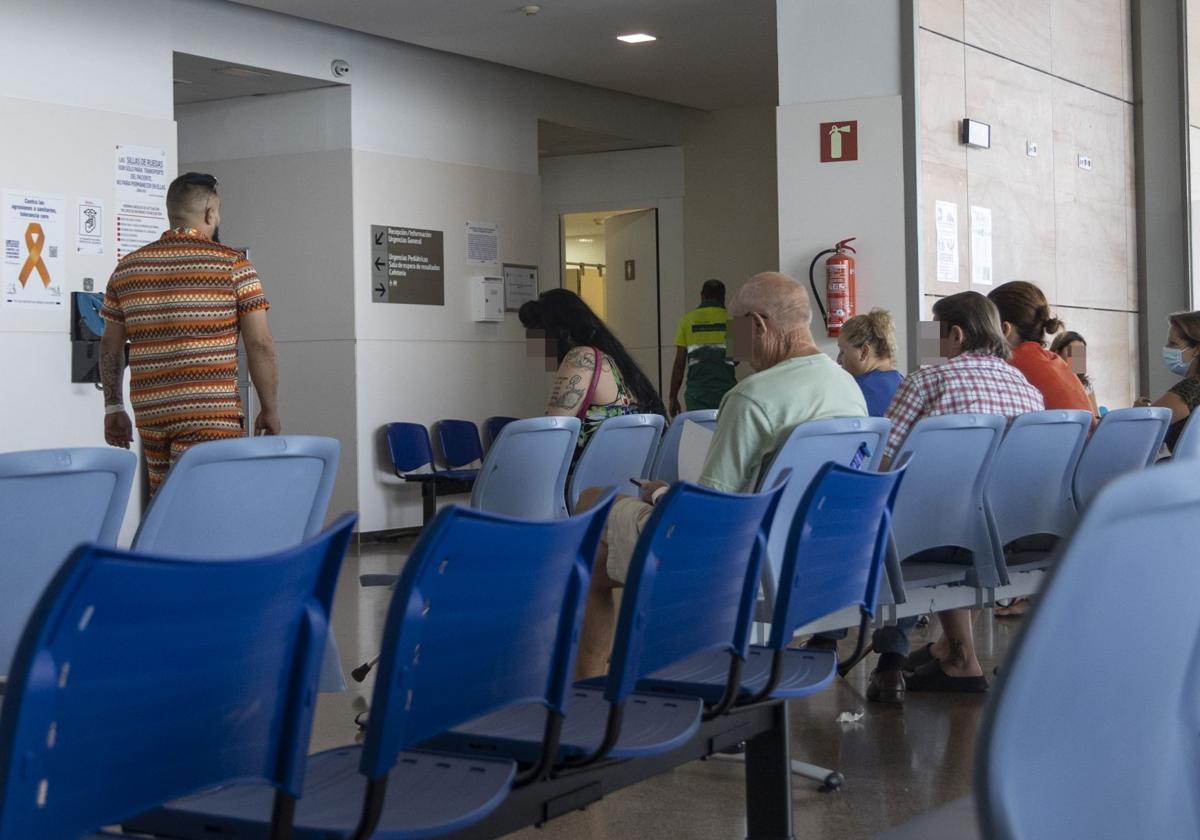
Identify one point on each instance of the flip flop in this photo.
(931, 677)
(918, 657)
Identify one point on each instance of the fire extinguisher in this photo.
(839, 286)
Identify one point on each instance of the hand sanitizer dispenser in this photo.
(487, 299)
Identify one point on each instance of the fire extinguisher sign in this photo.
(839, 141)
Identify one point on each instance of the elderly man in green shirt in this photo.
(794, 382)
(700, 349)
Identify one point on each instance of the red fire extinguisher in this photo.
(839, 286)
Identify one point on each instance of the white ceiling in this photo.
(199, 79)
(710, 54)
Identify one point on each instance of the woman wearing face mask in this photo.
(866, 350)
(1182, 357)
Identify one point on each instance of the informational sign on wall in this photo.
(839, 141)
(89, 231)
(407, 265)
(520, 285)
(483, 243)
(141, 192)
(981, 246)
(945, 218)
(33, 250)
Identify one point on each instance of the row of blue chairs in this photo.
(470, 707)
(223, 499)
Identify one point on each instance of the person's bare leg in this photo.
(600, 612)
(960, 659)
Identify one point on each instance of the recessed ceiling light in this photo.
(637, 38)
(586, 240)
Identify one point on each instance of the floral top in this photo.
(597, 414)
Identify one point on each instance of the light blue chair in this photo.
(621, 448)
(1065, 754)
(941, 502)
(1030, 491)
(524, 474)
(1125, 440)
(666, 461)
(51, 501)
(485, 616)
(253, 495)
(856, 442)
(90, 735)
(1187, 446)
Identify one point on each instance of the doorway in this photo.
(610, 259)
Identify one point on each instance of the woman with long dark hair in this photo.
(597, 378)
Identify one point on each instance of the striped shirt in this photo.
(969, 383)
(180, 300)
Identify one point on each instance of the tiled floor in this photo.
(898, 762)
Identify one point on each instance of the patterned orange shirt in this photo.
(180, 299)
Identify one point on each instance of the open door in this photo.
(631, 287)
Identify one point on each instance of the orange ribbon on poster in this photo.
(35, 238)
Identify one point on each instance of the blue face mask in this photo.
(1173, 357)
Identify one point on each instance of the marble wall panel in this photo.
(1018, 103)
(1090, 44)
(1112, 352)
(1017, 29)
(945, 16)
(942, 98)
(1023, 229)
(1093, 207)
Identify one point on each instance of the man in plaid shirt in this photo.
(976, 378)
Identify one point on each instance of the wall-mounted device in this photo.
(487, 299)
(977, 134)
(86, 328)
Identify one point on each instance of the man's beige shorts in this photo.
(625, 523)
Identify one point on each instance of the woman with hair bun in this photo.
(867, 351)
(1070, 346)
(597, 378)
(1026, 321)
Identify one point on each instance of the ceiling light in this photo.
(585, 240)
(636, 38)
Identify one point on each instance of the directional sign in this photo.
(407, 265)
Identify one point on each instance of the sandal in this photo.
(931, 677)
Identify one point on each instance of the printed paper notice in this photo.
(33, 250)
(981, 246)
(89, 233)
(946, 224)
(141, 188)
(483, 243)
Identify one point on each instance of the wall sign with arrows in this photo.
(407, 265)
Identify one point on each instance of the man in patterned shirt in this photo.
(181, 303)
(976, 378)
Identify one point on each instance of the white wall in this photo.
(437, 139)
(822, 80)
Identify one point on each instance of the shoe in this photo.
(886, 686)
(931, 677)
(918, 657)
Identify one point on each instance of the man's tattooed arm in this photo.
(112, 364)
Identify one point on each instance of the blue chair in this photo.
(51, 501)
(1187, 446)
(524, 474)
(458, 441)
(253, 495)
(856, 442)
(837, 540)
(452, 653)
(1125, 439)
(492, 427)
(700, 554)
(941, 503)
(621, 448)
(666, 461)
(90, 736)
(1030, 491)
(412, 460)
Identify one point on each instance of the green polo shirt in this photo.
(709, 369)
